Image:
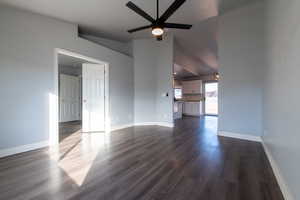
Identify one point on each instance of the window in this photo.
(211, 98)
(178, 93)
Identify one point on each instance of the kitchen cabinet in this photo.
(192, 87)
(192, 108)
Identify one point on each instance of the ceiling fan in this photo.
(157, 25)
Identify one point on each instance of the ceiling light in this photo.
(157, 31)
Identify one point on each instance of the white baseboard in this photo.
(240, 136)
(145, 124)
(165, 124)
(118, 127)
(280, 180)
(23, 148)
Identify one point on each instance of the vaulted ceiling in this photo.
(112, 19)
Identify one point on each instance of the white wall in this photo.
(27, 75)
(241, 59)
(281, 96)
(153, 66)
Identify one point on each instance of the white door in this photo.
(69, 98)
(93, 97)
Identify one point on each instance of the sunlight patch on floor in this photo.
(77, 160)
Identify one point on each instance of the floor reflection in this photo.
(188, 161)
(78, 151)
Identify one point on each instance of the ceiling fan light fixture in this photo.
(157, 25)
(217, 76)
(157, 31)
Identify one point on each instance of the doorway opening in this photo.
(70, 119)
(187, 94)
(211, 98)
(82, 101)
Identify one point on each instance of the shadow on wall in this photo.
(230, 5)
(198, 56)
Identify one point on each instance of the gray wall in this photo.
(281, 96)
(164, 81)
(241, 59)
(122, 47)
(153, 66)
(259, 87)
(27, 74)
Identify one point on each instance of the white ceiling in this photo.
(112, 19)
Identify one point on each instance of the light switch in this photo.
(165, 94)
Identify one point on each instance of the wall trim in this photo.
(165, 124)
(145, 124)
(118, 127)
(23, 148)
(279, 177)
(240, 136)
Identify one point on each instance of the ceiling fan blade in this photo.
(179, 26)
(139, 29)
(176, 4)
(139, 11)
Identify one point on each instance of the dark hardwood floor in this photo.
(185, 163)
(68, 128)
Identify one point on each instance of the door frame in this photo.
(204, 102)
(54, 100)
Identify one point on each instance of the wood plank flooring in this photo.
(68, 128)
(143, 163)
